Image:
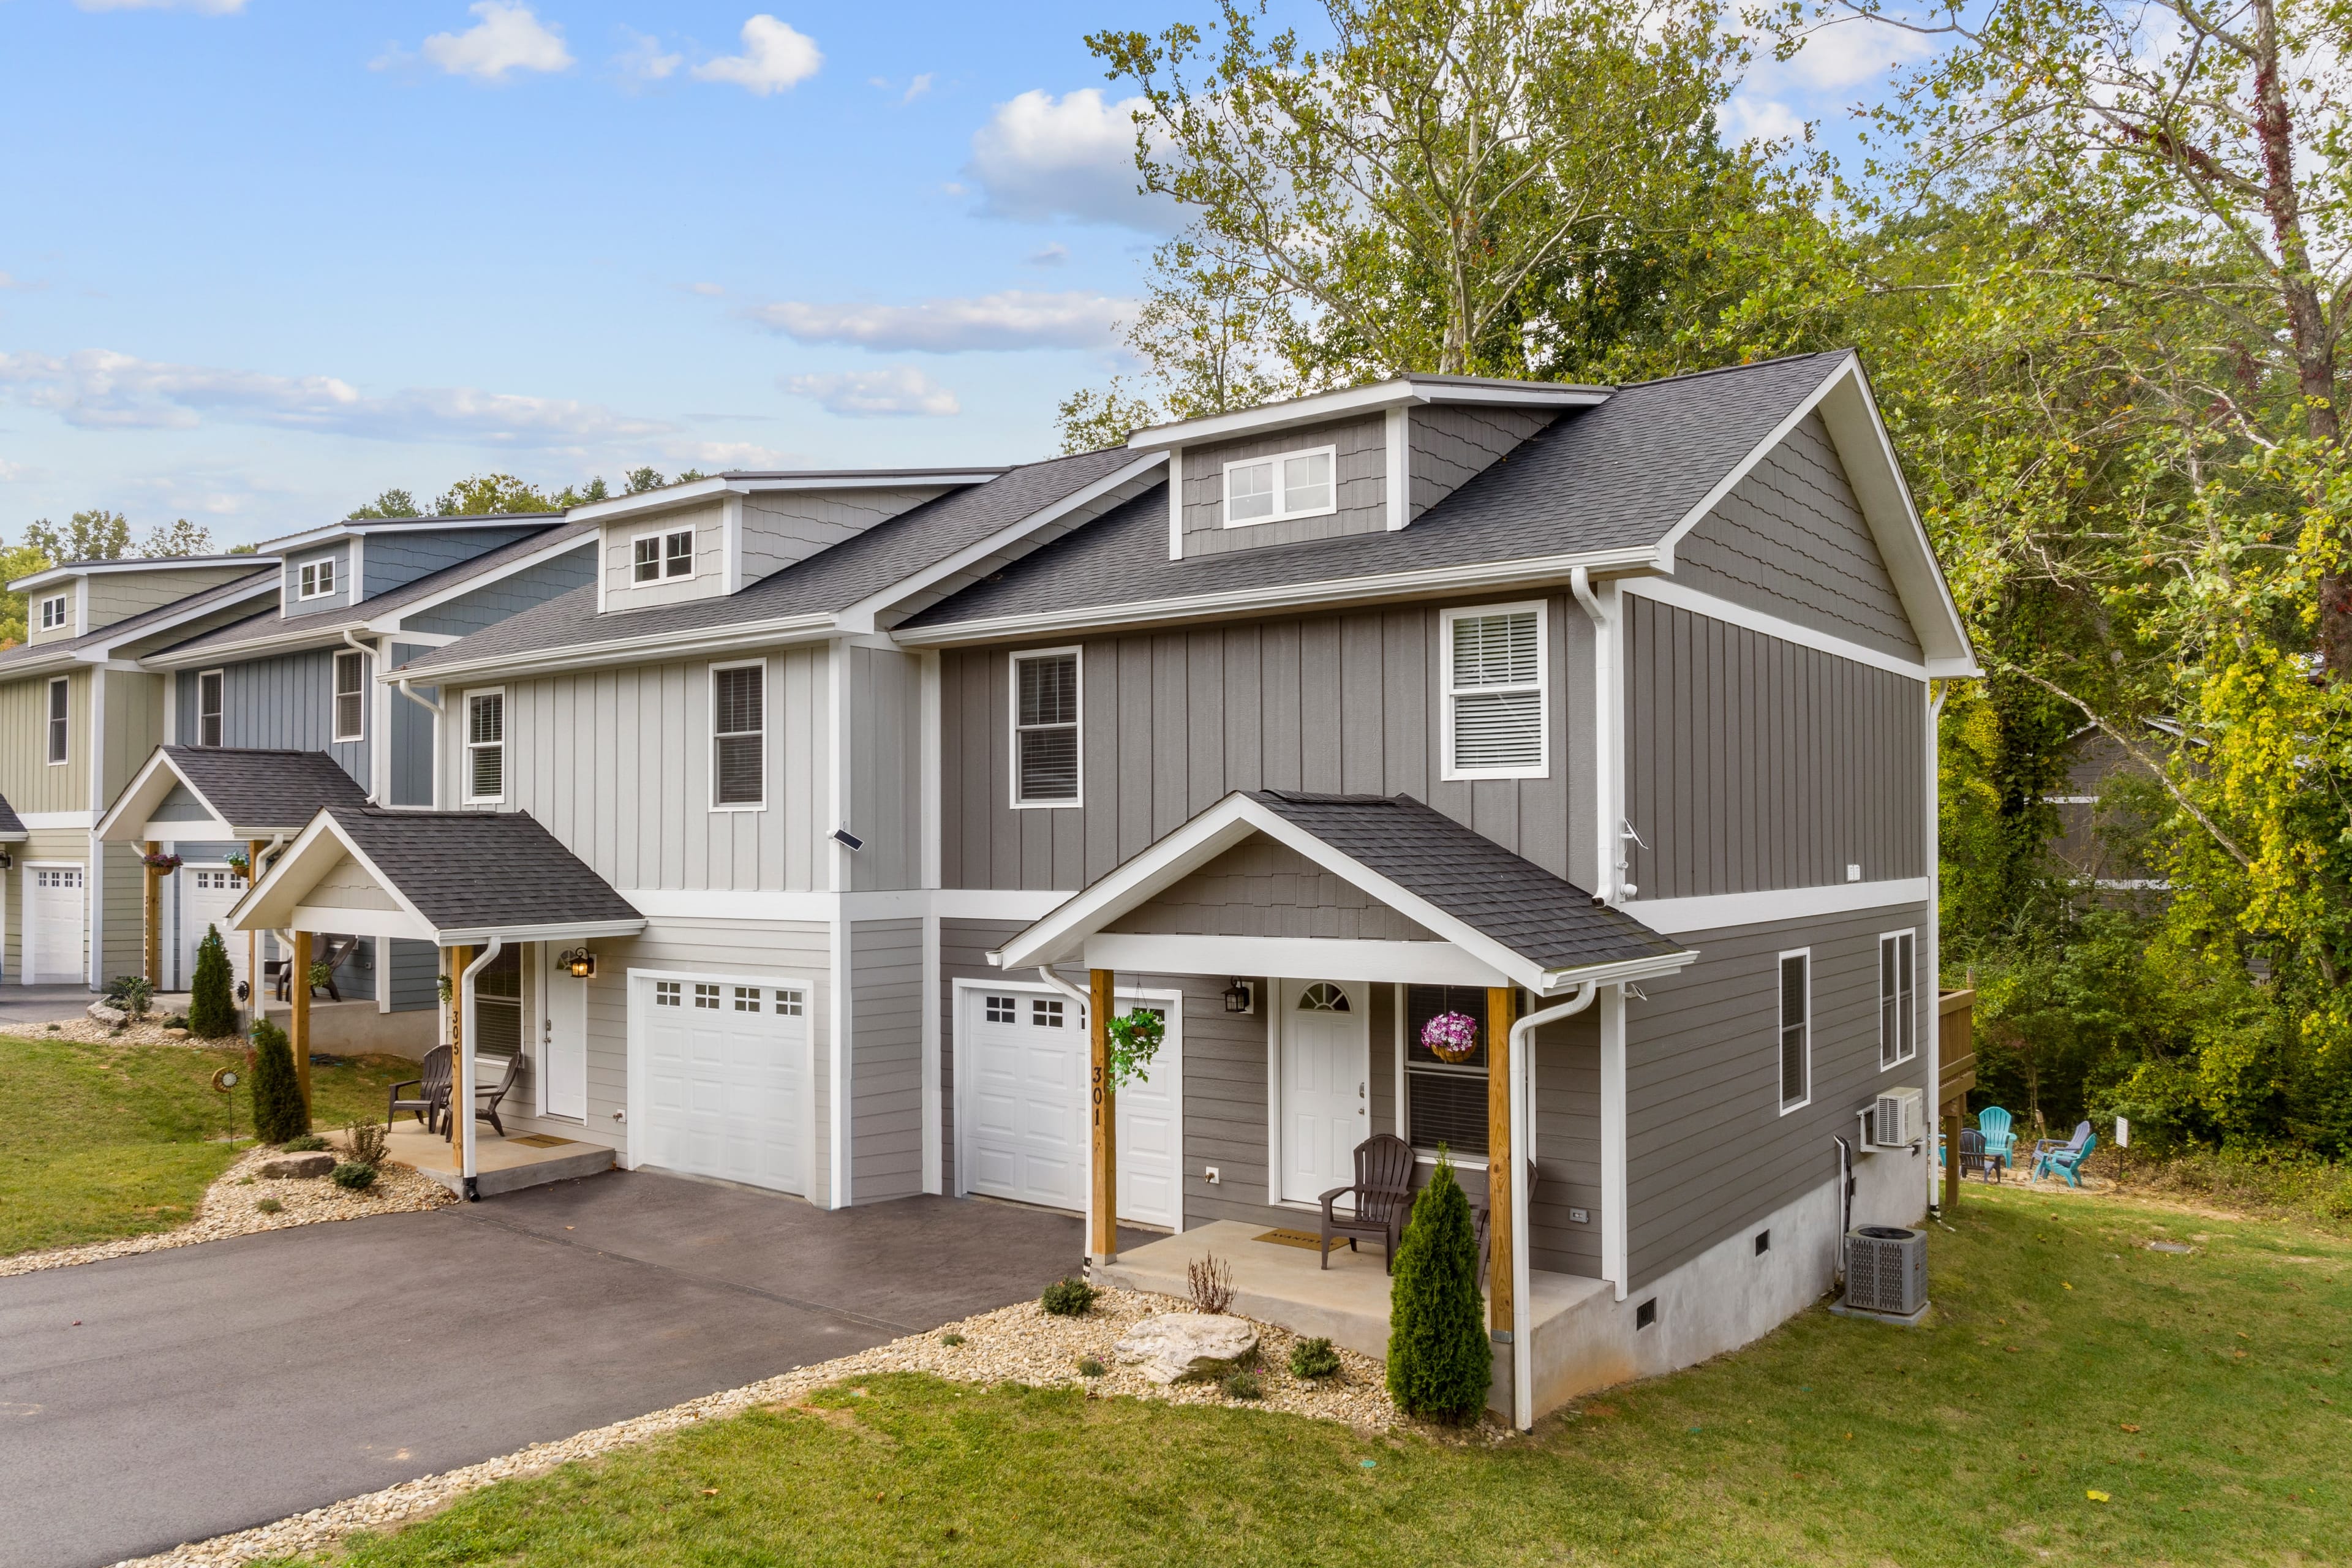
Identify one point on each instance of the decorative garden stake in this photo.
(1451, 1036)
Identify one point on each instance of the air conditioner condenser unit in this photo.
(1886, 1270)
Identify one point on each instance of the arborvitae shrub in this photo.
(1068, 1299)
(277, 1112)
(211, 1012)
(1440, 1361)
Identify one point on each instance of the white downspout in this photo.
(1523, 1373)
(467, 1017)
(377, 752)
(1935, 953)
(1079, 999)
(1605, 762)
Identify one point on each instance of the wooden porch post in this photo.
(1951, 1161)
(1102, 1162)
(154, 908)
(458, 958)
(252, 939)
(300, 1032)
(1502, 1009)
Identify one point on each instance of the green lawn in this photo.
(2204, 1395)
(103, 1141)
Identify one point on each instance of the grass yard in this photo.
(102, 1142)
(2204, 1395)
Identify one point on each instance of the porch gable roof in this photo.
(448, 878)
(1508, 913)
(12, 826)
(231, 793)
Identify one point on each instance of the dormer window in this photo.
(316, 580)
(1278, 489)
(660, 557)
(53, 614)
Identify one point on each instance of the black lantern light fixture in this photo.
(579, 962)
(1240, 996)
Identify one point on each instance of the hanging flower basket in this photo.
(1135, 1039)
(237, 862)
(160, 861)
(1450, 1038)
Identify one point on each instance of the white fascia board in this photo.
(1722, 910)
(1406, 962)
(48, 575)
(1533, 397)
(1623, 969)
(352, 528)
(862, 613)
(357, 922)
(1666, 590)
(1320, 407)
(146, 791)
(295, 641)
(15, 835)
(781, 632)
(1742, 469)
(646, 503)
(555, 550)
(551, 931)
(1484, 576)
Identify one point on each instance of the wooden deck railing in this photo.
(1956, 1055)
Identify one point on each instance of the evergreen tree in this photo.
(211, 1013)
(277, 1112)
(1439, 1362)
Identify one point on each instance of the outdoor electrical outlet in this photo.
(1580, 1216)
(1214, 1177)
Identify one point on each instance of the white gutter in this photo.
(436, 708)
(468, 1014)
(374, 752)
(665, 645)
(1522, 1088)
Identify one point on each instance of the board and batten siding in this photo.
(1790, 540)
(1707, 1149)
(1754, 763)
(134, 726)
(886, 1063)
(616, 765)
(622, 592)
(518, 591)
(1171, 721)
(1359, 471)
(885, 806)
(286, 702)
(413, 729)
(390, 559)
(1567, 1130)
(1448, 445)
(28, 779)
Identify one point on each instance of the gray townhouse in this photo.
(1541, 773)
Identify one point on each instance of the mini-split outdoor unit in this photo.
(1886, 1270)
(1898, 1119)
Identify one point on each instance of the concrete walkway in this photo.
(21, 1005)
(175, 1395)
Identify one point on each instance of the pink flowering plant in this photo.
(1451, 1036)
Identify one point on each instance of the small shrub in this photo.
(176, 1020)
(1089, 1366)
(1242, 1384)
(269, 1205)
(1068, 1299)
(212, 1016)
(308, 1144)
(278, 1110)
(950, 1339)
(353, 1177)
(1441, 1361)
(246, 1181)
(1212, 1282)
(1313, 1359)
(132, 993)
(365, 1143)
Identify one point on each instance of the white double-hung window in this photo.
(659, 557)
(210, 700)
(1796, 1037)
(60, 700)
(54, 613)
(316, 579)
(351, 695)
(1285, 486)
(1497, 703)
(1045, 728)
(486, 746)
(1899, 1013)
(739, 720)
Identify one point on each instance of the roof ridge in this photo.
(1735, 369)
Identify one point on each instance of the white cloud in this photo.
(1041, 157)
(101, 389)
(1749, 118)
(917, 88)
(776, 55)
(720, 456)
(508, 37)
(10, 471)
(643, 60)
(707, 290)
(1054, 253)
(1014, 319)
(201, 7)
(875, 393)
(1844, 54)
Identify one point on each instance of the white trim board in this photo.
(1297, 958)
(1674, 917)
(1665, 591)
(818, 906)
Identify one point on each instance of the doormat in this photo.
(1306, 1238)
(542, 1141)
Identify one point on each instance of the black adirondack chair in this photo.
(433, 1092)
(1381, 1196)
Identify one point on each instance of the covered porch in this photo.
(1370, 926)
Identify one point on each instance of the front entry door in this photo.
(1326, 1074)
(563, 1040)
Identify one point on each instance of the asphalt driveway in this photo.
(174, 1396)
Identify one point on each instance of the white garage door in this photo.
(724, 1077)
(206, 896)
(57, 925)
(1024, 1125)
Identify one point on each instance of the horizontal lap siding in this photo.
(886, 1070)
(1754, 764)
(1708, 1151)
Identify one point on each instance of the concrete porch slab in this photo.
(500, 1164)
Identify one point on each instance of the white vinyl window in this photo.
(1045, 693)
(1899, 1015)
(54, 614)
(316, 580)
(486, 746)
(1497, 719)
(212, 689)
(1796, 1034)
(1278, 489)
(738, 709)
(59, 700)
(657, 557)
(351, 695)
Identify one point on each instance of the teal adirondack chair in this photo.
(2052, 1158)
(2000, 1144)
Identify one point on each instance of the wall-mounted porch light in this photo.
(4, 861)
(1240, 996)
(580, 963)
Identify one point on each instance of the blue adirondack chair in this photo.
(1999, 1141)
(2052, 1157)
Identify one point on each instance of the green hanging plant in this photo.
(1135, 1039)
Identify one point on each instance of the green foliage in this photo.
(1313, 1359)
(366, 1142)
(1068, 1299)
(269, 1205)
(1135, 1037)
(1242, 1383)
(352, 1176)
(487, 495)
(308, 1143)
(1091, 1366)
(390, 503)
(1440, 1362)
(277, 1112)
(1091, 420)
(131, 993)
(212, 1011)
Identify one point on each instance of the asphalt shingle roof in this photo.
(11, 824)
(829, 581)
(277, 792)
(130, 626)
(477, 871)
(1551, 922)
(1620, 474)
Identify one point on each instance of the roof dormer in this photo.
(84, 596)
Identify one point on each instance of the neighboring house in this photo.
(1300, 725)
(278, 713)
(76, 717)
(2101, 837)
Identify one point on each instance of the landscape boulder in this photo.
(309, 1163)
(114, 1018)
(1174, 1345)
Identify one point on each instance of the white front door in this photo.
(57, 927)
(207, 894)
(563, 1042)
(724, 1079)
(1327, 1081)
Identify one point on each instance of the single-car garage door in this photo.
(57, 925)
(209, 892)
(723, 1079)
(1023, 1061)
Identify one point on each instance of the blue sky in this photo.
(261, 259)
